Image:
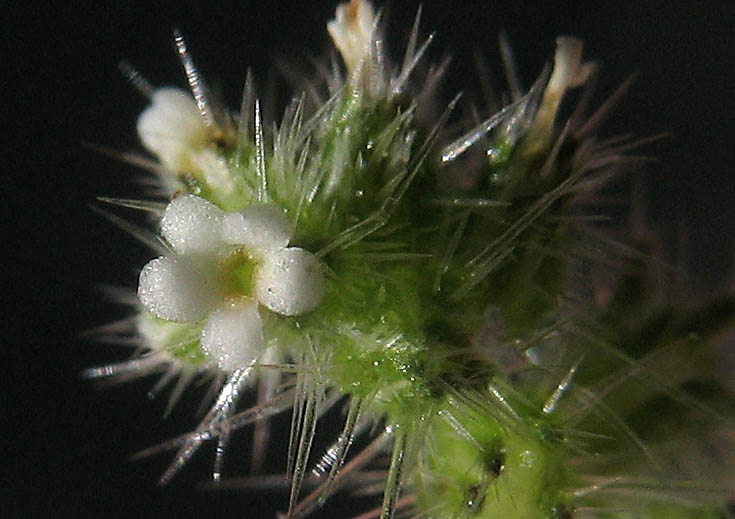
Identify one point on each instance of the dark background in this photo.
(67, 445)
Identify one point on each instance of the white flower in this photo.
(352, 32)
(223, 268)
(172, 128)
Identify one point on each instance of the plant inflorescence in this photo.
(446, 283)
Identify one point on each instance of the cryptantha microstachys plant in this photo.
(444, 280)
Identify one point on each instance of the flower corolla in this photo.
(172, 128)
(223, 270)
(352, 32)
(569, 72)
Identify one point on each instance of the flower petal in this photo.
(289, 282)
(171, 127)
(258, 228)
(192, 224)
(174, 289)
(233, 335)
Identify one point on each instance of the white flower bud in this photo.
(172, 127)
(569, 72)
(352, 32)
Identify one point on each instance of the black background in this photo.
(66, 444)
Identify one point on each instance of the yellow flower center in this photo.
(235, 274)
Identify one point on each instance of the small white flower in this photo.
(172, 128)
(223, 267)
(352, 32)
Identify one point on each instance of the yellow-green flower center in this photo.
(235, 274)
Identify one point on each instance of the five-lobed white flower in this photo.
(185, 286)
(172, 127)
(352, 32)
